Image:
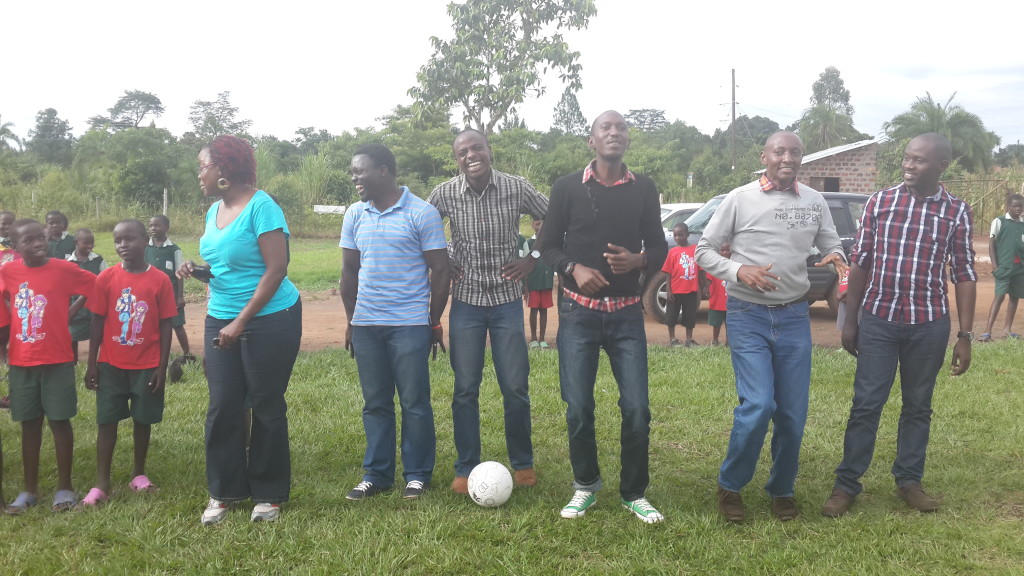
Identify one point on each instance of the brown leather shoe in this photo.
(837, 504)
(915, 497)
(526, 477)
(784, 508)
(730, 504)
(460, 485)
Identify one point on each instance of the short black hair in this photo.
(133, 222)
(163, 218)
(7, 213)
(59, 214)
(381, 156)
(1012, 198)
(21, 224)
(83, 231)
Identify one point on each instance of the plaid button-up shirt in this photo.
(485, 233)
(906, 243)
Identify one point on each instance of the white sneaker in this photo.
(215, 511)
(266, 512)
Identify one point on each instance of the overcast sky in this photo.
(341, 65)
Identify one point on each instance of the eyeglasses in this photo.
(203, 167)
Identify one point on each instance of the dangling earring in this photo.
(223, 184)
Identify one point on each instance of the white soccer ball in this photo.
(490, 484)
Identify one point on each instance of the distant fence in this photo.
(986, 197)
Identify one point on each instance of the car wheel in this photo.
(655, 297)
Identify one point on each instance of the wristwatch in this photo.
(535, 254)
(969, 336)
(569, 268)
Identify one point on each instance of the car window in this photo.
(677, 218)
(699, 219)
(856, 212)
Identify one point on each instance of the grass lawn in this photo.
(975, 465)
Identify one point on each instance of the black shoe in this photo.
(414, 489)
(364, 490)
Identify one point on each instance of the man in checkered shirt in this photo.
(483, 208)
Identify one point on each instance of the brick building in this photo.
(845, 168)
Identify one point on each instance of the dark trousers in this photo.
(256, 368)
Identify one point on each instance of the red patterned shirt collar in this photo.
(589, 173)
(767, 185)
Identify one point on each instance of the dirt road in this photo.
(324, 318)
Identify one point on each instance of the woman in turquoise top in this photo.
(252, 333)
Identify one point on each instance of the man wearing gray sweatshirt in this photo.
(772, 224)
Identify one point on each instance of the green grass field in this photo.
(975, 465)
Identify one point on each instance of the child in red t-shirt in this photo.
(42, 374)
(716, 300)
(684, 287)
(129, 345)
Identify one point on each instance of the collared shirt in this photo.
(485, 233)
(608, 304)
(394, 278)
(904, 243)
(767, 185)
(589, 173)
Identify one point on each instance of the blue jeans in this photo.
(468, 327)
(771, 358)
(255, 370)
(920, 350)
(391, 358)
(582, 333)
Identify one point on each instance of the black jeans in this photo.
(257, 368)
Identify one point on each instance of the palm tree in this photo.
(823, 127)
(7, 136)
(972, 143)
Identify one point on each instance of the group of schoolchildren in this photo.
(683, 299)
(57, 292)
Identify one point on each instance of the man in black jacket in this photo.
(602, 231)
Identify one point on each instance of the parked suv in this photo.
(846, 211)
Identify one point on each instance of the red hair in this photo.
(234, 156)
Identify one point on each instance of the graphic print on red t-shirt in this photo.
(132, 305)
(681, 267)
(38, 297)
(717, 294)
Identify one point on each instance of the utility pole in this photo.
(732, 132)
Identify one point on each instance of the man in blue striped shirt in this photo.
(395, 282)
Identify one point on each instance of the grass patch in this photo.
(974, 468)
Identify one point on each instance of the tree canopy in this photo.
(830, 91)
(212, 118)
(498, 56)
(568, 118)
(972, 143)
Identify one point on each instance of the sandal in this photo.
(141, 483)
(94, 498)
(986, 337)
(1013, 336)
(64, 500)
(23, 502)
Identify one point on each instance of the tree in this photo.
(822, 127)
(8, 137)
(830, 91)
(1010, 155)
(829, 120)
(750, 131)
(133, 107)
(568, 117)
(51, 140)
(498, 55)
(211, 119)
(646, 119)
(972, 143)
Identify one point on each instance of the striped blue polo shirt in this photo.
(394, 281)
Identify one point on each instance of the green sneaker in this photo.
(577, 507)
(643, 510)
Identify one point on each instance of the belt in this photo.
(797, 301)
